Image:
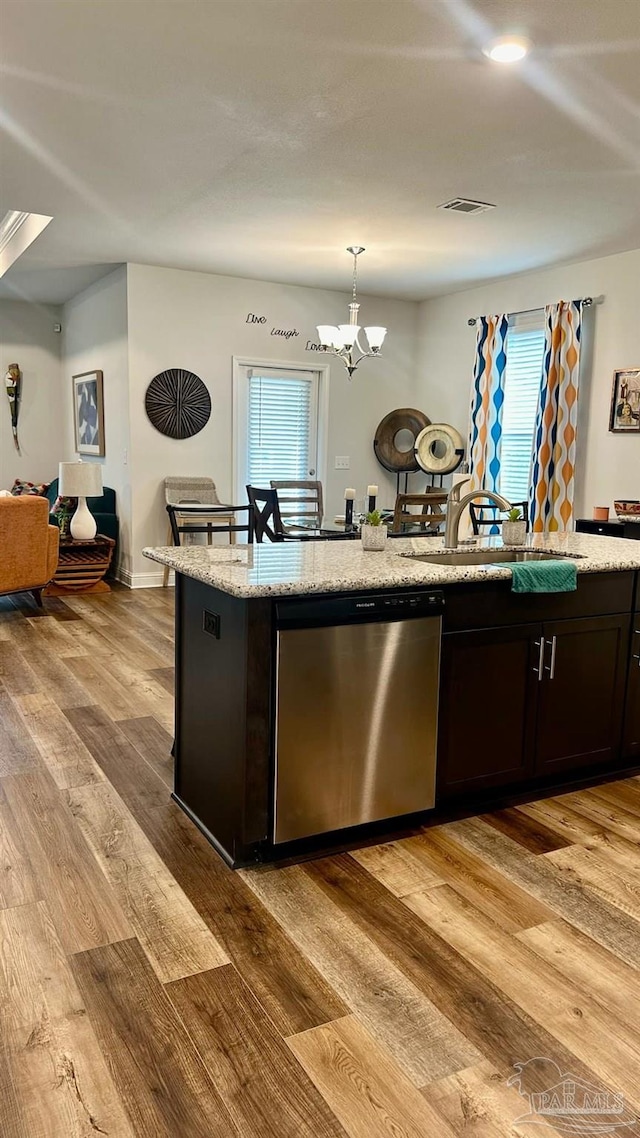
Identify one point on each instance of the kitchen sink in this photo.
(489, 556)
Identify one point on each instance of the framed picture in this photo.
(625, 401)
(88, 413)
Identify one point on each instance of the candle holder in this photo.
(372, 503)
(348, 514)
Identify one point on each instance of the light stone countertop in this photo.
(299, 568)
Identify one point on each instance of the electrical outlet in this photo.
(211, 623)
(342, 462)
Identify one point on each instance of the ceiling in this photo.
(258, 138)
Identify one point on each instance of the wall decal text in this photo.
(253, 319)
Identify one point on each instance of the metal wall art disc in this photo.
(177, 403)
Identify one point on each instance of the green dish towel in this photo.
(544, 577)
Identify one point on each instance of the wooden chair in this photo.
(185, 490)
(430, 517)
(266, 509)
(300, 500)
(476, 513)
(204, 519)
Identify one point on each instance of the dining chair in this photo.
(429, 518)
(299, 500)
(476, 513)
(267, 522)
(187, 491)
(205, 519)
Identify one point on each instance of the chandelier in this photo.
(342, 341)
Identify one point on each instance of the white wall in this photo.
(28, 339)
(94, 326)
(608, 465)
(198, 321)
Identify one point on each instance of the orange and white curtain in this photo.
(554, 442)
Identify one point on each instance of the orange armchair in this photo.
(28, 546)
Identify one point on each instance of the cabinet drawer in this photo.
(493, 604)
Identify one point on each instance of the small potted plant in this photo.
(514, 528)
(373, 532)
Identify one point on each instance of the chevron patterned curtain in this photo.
(554, 441)
(487, 400)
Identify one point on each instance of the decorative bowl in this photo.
(630, 509)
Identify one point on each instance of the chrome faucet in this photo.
(456, 505)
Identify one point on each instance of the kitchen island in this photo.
(292, 657)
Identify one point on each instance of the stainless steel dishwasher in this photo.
(356, 710)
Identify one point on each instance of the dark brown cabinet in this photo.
(529, 700)
(488, 702)
(581, 696)
(631, 740)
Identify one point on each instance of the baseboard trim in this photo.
(142, 580)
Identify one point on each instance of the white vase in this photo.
(373, 537)
(514, 533)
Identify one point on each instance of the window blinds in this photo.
(525, 353)
(281, 425)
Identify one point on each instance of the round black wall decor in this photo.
(177, 403)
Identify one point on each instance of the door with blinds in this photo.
(276, 425)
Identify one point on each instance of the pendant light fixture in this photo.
(343, 340)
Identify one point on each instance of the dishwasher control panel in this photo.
(347, 610)
(411, 602)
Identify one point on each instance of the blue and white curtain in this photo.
(487, 401)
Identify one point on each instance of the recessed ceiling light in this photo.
(17, 232)
(507, 49)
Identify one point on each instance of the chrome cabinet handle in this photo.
(540, 668)
(552, 662)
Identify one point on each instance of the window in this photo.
(276, 425)
(525, 354)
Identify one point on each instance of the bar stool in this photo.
(189, 491)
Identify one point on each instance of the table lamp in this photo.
(81, 480)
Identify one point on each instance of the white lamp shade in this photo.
(348, 333)
(375, 336)
(80, 479)
(327, 334)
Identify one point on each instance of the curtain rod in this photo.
(585, 301)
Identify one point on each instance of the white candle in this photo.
(372, 491)
(349, 495)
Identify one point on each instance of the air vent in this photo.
(466, 205)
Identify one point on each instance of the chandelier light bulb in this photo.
(348, 334)
(375, 336)
(328, 335)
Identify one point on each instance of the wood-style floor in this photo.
(147, 991)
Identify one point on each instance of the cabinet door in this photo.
(581, 700)
(488, 697)
(631, 743)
